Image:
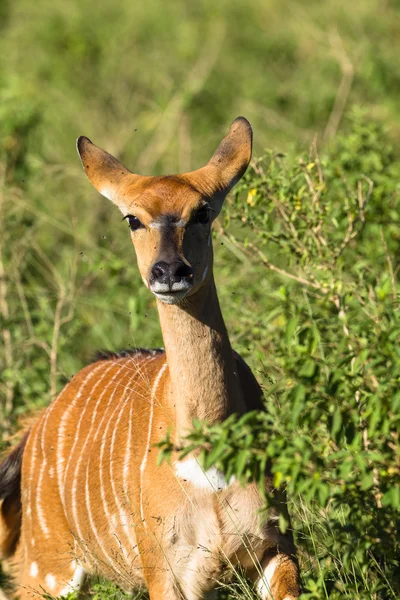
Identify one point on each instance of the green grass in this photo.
(157, 85)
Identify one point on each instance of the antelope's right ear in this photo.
(103, 170)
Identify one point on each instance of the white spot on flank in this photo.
(75, 583)
(34, 570)
(212, 479)
(263, 586)
(50, 581)
(146, 452)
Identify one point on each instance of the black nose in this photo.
(174, 272)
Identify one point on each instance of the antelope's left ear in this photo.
(228, 163)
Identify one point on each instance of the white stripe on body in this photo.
(112, 518)
(32, 479)
(100, 429)
(75, 476)
(124, 521)
(39, 509)
(40, 512)
(61, 467)
(144, 461)
(87, 489)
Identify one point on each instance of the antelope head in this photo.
(170, 216)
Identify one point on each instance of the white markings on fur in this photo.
(107, 193)
(212, 479)
(39, 508)
(128, 453)
(123, 516)
(82, 455)
(160, 223)
(263, 585)
(47, 414)
(50, 581)
(165, 288)
(109, 516)
(60, 456)
(102, 494)
(33, 570)
(146, 452)
(32, 480)
(170, 295)
(75, 583)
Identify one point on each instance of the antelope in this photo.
(83, 494)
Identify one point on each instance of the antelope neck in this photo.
(203, 380)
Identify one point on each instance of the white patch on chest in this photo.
(212, 479)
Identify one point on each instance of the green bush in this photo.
(307, 254)
(326, 230)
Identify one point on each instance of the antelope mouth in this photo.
(170, 295)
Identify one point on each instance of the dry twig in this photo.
(344, 86)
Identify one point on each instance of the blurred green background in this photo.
(157, 84)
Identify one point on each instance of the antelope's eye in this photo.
(134, 222)
(202, 215)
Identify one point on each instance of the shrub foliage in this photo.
(307, 269)
(327, 227)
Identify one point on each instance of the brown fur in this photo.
(93, 495)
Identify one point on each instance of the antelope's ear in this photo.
(104, 171)
(227, 165)
(232, 157)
